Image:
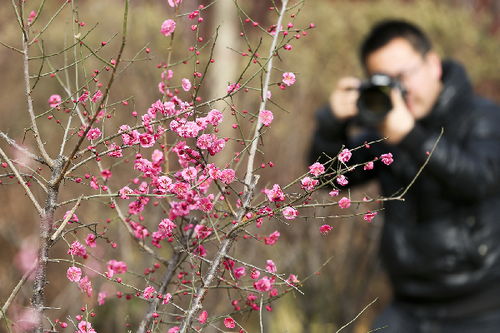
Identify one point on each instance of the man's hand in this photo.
(344, 97)
(399, 121)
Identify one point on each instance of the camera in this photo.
(374, 101)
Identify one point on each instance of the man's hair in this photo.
(386, 31)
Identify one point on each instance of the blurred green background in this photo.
(466, 30)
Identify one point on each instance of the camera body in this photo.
(374, 101)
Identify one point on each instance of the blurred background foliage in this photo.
(340, 272)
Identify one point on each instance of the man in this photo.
(441, 246)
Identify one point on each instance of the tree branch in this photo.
(22, 182)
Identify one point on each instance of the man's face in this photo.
(420, 75)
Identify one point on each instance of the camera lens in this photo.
(376, 99)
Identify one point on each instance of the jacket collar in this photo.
(454, 95)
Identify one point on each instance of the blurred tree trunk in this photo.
(225, 69)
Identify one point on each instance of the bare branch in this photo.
(65, 3)
(66, 220)
(357, 316)
(11, 47)
(16, 289)
(22, 149)
(22, 182)
(29, 100)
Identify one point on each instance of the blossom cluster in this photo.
(179, 196)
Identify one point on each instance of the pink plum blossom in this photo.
(292, 278)
(266, 117)
(90, 240)
(202, 231)
(290, 213)
(116, 267)
(149, 292)
(215, 117)
(344, 202)
(368, 217)
(229, 322)
(345, 155)
(167, 27)
(86, 286)
(239, 272)
(174, 3)
(288, 78)
(202, 318)
(227, 176)
(97, 96)
(233, 88)
(325, 229)
(93, 183)
(193, 14)
(333, 193)
(85, 327)
(73, 218)
(308, 183)
(168, 75)
(74, 274)
(54, 100)
(272, 239)
(270, 266)
(101, 297)
(211, 143)
(254, 274)
(342, 180)
(263, 284)
(387, 158)
(189, 129)
(186, 84)
(167, 226)
(32, 16)
(166, 298)
(275, 194)
(200, 250)
(115, 150)
(146, 140)
(77, 249)
(84, 96)
(125, 192)
(93, 133)
(317, 169)
(368, 166)
(106, 174)
(189, 173)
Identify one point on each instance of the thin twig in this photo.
(16, 289)
(27, 88)
(423, 165)
(357, 316)
(66, 220)
(22, 182)
(22, 149)
(11, 47)
(65, 3)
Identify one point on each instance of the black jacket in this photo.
(442, 244)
